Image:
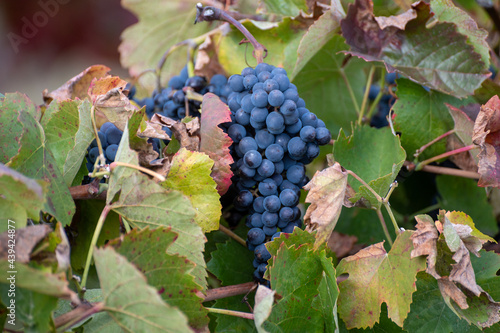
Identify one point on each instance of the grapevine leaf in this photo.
(326, 72)
(161, 25)
(77, 86)
(108, 99)
(326, 196)
(446, 11)
(38, 281)
(487, 136)
(230, 324)
(264, 298)
(280, 39)
(84, 223)
(318, 34)
(286, 8)
(140, 144)
(231, 263)
(130, 300)
(33, 310)
(450, 264)
(462, 137)
(476, 203)
(169, 274)
(26, 194)
(429, 312)
(295, 275)
(69, 132)
(190, 174)
(11, 128)
(25, 240)
(376, 276)
(488, 89)
(35, 159)
(375, 155)
(214, 142)
(437, 57)
(328, 294)
(144, 203)
(422, 116)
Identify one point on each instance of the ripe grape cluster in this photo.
(172, 101)
(274, 137)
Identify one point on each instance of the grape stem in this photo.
(374, 104)
(440, 156)
(443, 171)
(86, 192)
(375, 194)
(384, 226)
(137, 167)
(223, 292)
(365, 96)
(424, 147)
(239, 314)
(80, 313)
(232, 235)
(211, 13)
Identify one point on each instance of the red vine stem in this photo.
(80, 313)
(448, 153)
(443, 171)
(424, 147)
(86, 192)
(223, 292)
(245, 315)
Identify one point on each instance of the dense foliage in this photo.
(336, 170)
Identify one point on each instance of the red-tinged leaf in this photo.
(326, 196)
(108, 98)
(487, 137)
(214, 142)
(375, 277)
(462, 137)
(77, 86)
(438, 57)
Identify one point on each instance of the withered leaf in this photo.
(186, 134)
(25, 241)
(487, 136)
(77, 86)
(207, 63)
(424, 242)
(341, 244)
(108, 99)
(398, 21)
(462, 137)
(326, 195)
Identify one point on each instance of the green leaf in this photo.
(445, 11)
(328, 294)
(422, 116)
(375, 155)
(11, 128)
(35, 159)
(22, 197)
(169, 274)
(438, 57)
(281, 40)
(130, 300)
(231, 263)
(325, 74)
(286, 8)
(33, 310)
(69, 132)
(190, 174)
(35, 280)
(230, 324)
(318, 34)
(144, 203)
(214, 142)
(83, 225)
(375, 277)
(457, 193)
(161, 25)
(385, 325)
(295, 275)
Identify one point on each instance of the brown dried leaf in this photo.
(108, 99)
(186, 134)
(398, 21)
(464, 128)
(78, 86)
(154, 131)
(207, 62)
(25, 241)
(326, 195)
(487, 136)
(450, 291)
(463, 272)
(341, 244)
(424, 242)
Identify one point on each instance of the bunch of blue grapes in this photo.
(172, 101)
(110, 137)
(274, 137)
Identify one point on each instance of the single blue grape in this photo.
(295, 173)
(264, 76)
(266, 168)
(256, 236)
(249, 81)
(258, 205)
(295, 128)
(93, 154)
(283, 81)
(279, 167)
(288, 198)
(246, 172)
(113, 135)
(246, 103)
(246, 144)
(242, 117)
(247, 71)
(297, 148)
(259, 98)
(312, 151)
(278, 179)
(105, 126)
(176, 82)
(278, 70)
(258, 85)
(309, 119)
(275, 98)
(261, 253)
(264, 138)
(218, 80)
(292, 118)
(274, 152)
(291, 94)
(282, 140)
(252, 159)
(263, 67)
(255, 220)
(259, 115)
(269, 231)
(236, 132)
(323, 136)
(270, 85)
(268, 187)
(111, 152)
(308, 133)
(236, 82)
(286, 184)
(300, 103)
(275, 122)
(288, 107)
(272, 204)
(286, 215)
(244, 199)
(269, 219)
